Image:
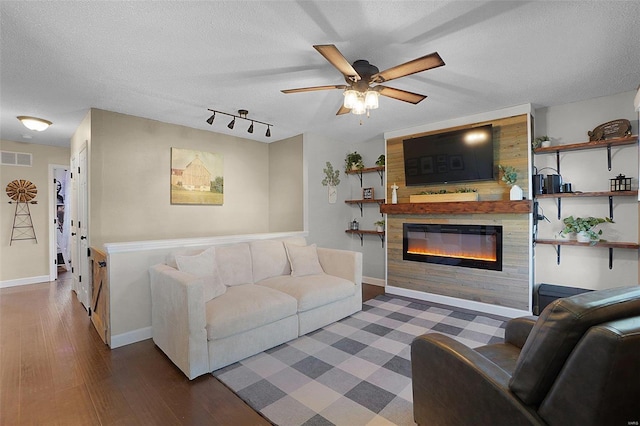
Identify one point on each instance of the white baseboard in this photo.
(374, 281)
(24, 281)
(458, 303)
(130, 337)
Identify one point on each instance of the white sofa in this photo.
(214, 307)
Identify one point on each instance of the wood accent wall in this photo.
(509, 287)
(511, 145)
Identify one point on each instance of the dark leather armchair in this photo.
(577, 364)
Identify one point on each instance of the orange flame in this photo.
(457, 255)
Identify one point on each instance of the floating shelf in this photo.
(362, 232)
(602, 244)
(608, 143)
(609, 194)
(359, 172)
(459, 207)
(360, 203)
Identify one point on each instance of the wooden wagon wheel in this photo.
(21, 190)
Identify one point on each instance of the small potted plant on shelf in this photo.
(510, 177)
(583, 227)
(379, 225)
(332, 180)
(353, 161)
(541, 141)
(380, 161)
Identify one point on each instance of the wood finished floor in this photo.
(55, 370)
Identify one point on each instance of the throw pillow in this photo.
(204, 267)
(304, 260)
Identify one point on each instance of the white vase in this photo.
(394, 194)
(379, 228)
(583, 237)
(333, 194)
(515, 193)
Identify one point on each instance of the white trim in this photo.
(636, 101)
(458, 303)
(25, 281)
(374, 281)
(477, 118)
(111, 248)
(131, 337)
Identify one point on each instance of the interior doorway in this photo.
(60, 220)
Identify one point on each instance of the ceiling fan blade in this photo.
(333, 55)
(424, 63)
(343, 110)
(401, 95)
(315, 88)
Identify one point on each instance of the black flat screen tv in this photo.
(457, 156)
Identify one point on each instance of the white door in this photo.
(84, 280)
(79, 229)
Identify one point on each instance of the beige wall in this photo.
(28, 259)
(130, 161)
(286, 193)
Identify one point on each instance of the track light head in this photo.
(232, 123)
(250, 130)
(210, 119)
(268, 134)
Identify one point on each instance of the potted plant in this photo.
(380, 161)
(332, 180)
(583, 227)
(379, 225)
(353, 161)
(543, 141)
(510, 177)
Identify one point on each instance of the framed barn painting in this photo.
(196, 177)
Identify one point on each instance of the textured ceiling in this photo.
(170, 61)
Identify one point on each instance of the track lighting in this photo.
(242, 114)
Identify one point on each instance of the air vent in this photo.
(16, 159)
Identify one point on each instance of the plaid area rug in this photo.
(356, 371)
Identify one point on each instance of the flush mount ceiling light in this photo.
(242, 114)
(34, 123)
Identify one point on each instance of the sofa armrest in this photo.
(342, 263)
(453, 385)
(178, 319)
(518, 330)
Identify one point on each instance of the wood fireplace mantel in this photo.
(459, 207)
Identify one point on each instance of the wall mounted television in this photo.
(457, 156)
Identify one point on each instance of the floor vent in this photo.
(16, 159)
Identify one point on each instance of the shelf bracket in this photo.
(609, 156)
(380, 203)
(611, 207)
(558, 254)
(381, 239)
(558, 162)
(381, 173)
(610, 257)
(559, 207)
(359, 174)
(360, 205)
(361, 238)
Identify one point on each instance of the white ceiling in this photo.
(170, 60)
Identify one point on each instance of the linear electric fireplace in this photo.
(470, 246)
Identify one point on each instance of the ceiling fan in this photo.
(359, 95)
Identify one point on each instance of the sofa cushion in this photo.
(312, 291)
(245, 307)
(303, 260)
(269, 259)
(203, 266)
(234, 264)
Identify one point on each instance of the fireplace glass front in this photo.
(470, 246)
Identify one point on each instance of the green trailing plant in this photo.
(332, 177)
(509, 174)
(444, 191)
(574, 225)
(380, 161)
(352, 159)
(537, 142)
(379, 223)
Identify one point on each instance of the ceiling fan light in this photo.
(350, 98)
(33, 123)
(371, 99)
(359, 108)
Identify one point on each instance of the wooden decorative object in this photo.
(612, 129)
(444, 198)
